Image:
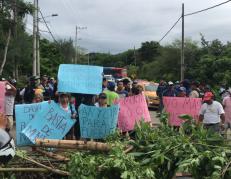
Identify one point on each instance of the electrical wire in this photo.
(47, 26)
(170, 29)
(196, 12)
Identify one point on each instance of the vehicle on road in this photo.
(150, 89)
(117, 73)
(109, 78)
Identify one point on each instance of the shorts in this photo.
(10, 122)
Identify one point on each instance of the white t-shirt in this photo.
(212, 112)
(9, 105)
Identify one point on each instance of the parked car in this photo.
(150, 89)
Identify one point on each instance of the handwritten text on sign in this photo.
(50, 123)
(24, 114)
(2, 97)
(82, 79)
(97, 122)
(132, 110)
(177, 106)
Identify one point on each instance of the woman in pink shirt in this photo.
(227, 107)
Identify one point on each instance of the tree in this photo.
(148, 51)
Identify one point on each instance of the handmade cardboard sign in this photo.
(177, 106)
(84, 79)
(97, 122)
(24, 114)
(50, 123)
(132, 110)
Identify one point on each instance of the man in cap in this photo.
(170, 91)
(211, 113)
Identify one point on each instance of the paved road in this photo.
(154, 117)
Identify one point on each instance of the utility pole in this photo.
(37, 44)
(76, 41)
(35, 29)
(182, 46)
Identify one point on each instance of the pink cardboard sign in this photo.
(132, 110)
(177, 106)
(2, 97)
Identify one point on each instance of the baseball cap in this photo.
(182, 89)
(208, 96)
(170, 83)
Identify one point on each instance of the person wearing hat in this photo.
(227, 107)
(181, 92)
(212, 114)
(102, 101)
(170, 91)
(112, 96)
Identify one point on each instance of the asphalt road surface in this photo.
(154, 117)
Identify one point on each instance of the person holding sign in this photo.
(102, 101)
(9, 104)
(211, 113)
(65, 104)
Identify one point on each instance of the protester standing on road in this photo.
(169, 91)
(195, 92)
(112, 96)
(181, 92)
(127, 85)
(9, 104)
(120, 90)
(211, 113)
(28, 92)
(64, 101)
(160, 90)
(102, 101)
(104, 85)
(227, 107)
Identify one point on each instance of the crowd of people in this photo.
(214, 115)
(39, 89)
(45, 89)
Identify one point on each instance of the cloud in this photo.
(117, 25)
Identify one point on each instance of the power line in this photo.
(189, 14)
(47, 26)
(170, 29)
(196, 12)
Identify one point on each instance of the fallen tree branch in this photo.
(52, 155)
(57, 171)
(129, 149)
(73, 144)
(24, 170)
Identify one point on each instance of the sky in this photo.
(118, 25)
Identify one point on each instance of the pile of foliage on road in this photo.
(153, 153)
(158, 153)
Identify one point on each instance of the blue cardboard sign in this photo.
(84, 79)
(24, 114)
(50, 123)
(97, 122)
